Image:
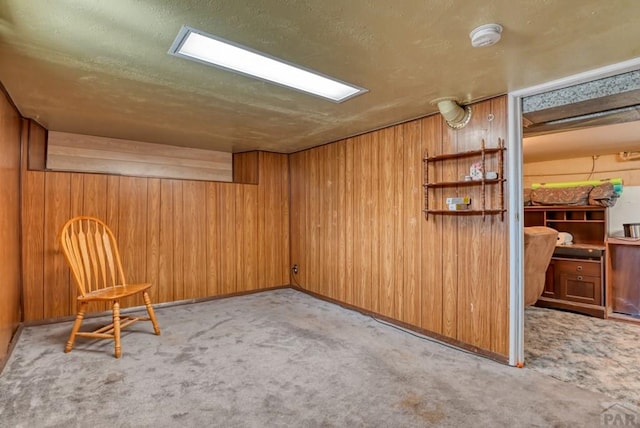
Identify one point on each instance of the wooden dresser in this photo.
(623, 278)
(576, 274)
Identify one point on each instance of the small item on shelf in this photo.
(491, 175)
(458, 207)
(467, 178)
(476, 172)
(631, 230)
(463, 200)
(564, 238)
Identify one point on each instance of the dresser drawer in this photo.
(581, 288)
(577, 267)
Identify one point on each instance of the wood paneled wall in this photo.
(358, 232)
(359, 235)
(191, 239)
(86, 153)
(10, 134)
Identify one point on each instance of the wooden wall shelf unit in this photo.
(576, 274)
(483, 183)
(623, 283)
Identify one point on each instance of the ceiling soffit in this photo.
(606, 101)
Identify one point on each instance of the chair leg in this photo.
(116, 328)
(76, 326)
(152, 315)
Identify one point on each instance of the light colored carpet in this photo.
(600, 355)
(275, 359)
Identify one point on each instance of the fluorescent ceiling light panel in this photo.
(199, 46)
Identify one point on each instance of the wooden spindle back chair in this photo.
(91, 251)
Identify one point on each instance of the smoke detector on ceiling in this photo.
(485, 35)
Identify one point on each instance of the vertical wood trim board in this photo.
(360, 237)
(246, 167)
(192, 239)
(11, 129)
(35, 155)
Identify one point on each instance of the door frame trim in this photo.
(516, 207)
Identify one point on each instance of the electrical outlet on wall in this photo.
(294, 269)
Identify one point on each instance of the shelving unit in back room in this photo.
(576, 275)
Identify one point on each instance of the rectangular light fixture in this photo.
(202, 47)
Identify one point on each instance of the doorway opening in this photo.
(567, 143)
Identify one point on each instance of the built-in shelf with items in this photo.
(576, 274)
(485, 184)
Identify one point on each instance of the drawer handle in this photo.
(579, 277)
(579, 268)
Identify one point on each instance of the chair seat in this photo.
(113, 293)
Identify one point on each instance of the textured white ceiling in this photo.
(102, 68)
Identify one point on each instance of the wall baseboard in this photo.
(133, 309)
(10, 348)
(438, 338)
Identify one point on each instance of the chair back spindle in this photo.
(92, 253)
